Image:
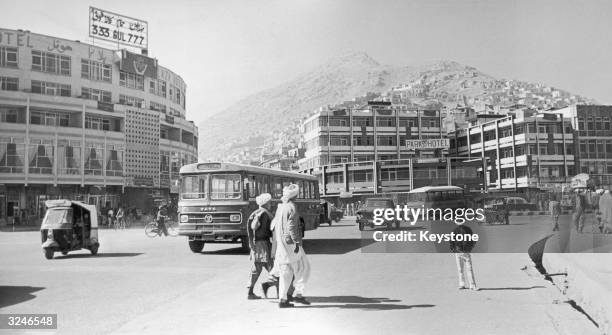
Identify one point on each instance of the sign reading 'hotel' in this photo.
(432, 143)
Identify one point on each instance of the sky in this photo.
(226, 50)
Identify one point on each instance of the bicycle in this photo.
(120, 223)
(153, 230)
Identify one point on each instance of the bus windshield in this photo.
(225, 186)
(194, 187)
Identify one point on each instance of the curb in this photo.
(533, 213)
(587, 283)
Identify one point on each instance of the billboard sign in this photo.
(118, 28)
(138, 64)
(432, 143)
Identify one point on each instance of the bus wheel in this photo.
(196, 246)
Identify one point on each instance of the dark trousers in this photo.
(256, 268)
(162, 227)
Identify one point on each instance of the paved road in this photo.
(154, 286)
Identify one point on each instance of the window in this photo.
(583, 149)
(360, 176)
(131, 101)
(340, 159)
(48, 88)
(194, 187)
(93, 70)
(362, 121)
(95, 94)
(363, 140)
(9, 115)
(225, 186)
(69, 157)
(50, 118)
(386, 140)
(276, 187)
(157, 87)
(157, 107)
(50, 62)
(114, 161)
(339, 140)
(592, 149)
(41, 156)
(600, 149)
(131, 80)
(93, 123)
(385, 122)
(338, 121)
(9, 84)
(12, 154)
(408, 122)
(8, 57)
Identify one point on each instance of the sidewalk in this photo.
(16, 228)
(588, 282)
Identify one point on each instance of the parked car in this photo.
(519, 204)
(365, 214)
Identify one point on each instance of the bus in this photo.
(216, 200)
(438, 196)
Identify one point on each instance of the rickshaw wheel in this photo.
(196, 246)
(94, 249)
(49, 254)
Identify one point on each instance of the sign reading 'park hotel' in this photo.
(435, 143)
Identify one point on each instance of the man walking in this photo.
(259, 234)
(554, 207)
(463, 258)
(290, 257)
(578, 216)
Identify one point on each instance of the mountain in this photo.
(245, 125)
(240, 132)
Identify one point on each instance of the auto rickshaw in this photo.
(68, 226)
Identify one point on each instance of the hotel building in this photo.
(77, 121)
(364, 151)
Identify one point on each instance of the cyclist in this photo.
(162, 213)
(120, 218)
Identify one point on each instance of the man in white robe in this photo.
(290, 257)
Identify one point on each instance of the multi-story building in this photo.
(593, 124)
(377, 131)
(522, 150)
(83, 122)
(365, 151)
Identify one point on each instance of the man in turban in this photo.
(259, 234)
(290, 257)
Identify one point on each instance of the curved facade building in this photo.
(77, 122)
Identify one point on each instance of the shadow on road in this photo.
(333, 246)
(12, 295)
(509, 288)
(366, 307)
(103, 255)
(232, 251)
(349, 299)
